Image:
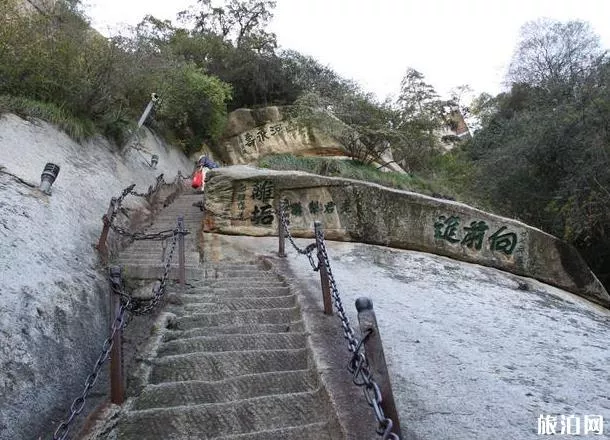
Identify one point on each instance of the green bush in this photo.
(194, 107)
(349, 169)
(77, 128)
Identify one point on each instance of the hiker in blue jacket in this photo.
(205, 162)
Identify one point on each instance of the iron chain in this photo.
(127, 305)
(79, 403)
(160, 290)
(308, 250)
(160, 181)
(161, 235)
(358, 365)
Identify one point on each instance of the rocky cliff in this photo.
(241, 200)
(252, 134)
(53, 294)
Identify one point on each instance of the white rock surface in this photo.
(470, 354)
(53, 297)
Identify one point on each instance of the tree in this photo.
(241, 22)
(194, 106)
(543, 155)
(552, 53)
(417, 99)
(460, 95)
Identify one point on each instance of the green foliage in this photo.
(193, 106)
(57, 60)
(349, 169)
(77, 129)
(241, 22)
(543, 153)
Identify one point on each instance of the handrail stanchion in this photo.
(281, 232)
(181, 257)
(117, 386)
(324, 281)
(102, 247)
(376, 359)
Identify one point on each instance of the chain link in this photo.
(128, 306)
(79, 403)
(308, 250)
(358, 364)
(161, 235)
(159, 181)
(135, 306)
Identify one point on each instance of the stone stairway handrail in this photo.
(116, 202)
(367, 359)
(123, 305)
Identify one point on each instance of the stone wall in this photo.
(252, 134)
(241, 200)
(53, 292)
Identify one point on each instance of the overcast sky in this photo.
(374, 41)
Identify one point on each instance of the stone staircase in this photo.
(233, 361)
(143, 259)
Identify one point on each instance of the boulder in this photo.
(243, 199)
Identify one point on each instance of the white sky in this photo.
(374, 41)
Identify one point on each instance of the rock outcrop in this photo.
(241, 200)
(252, 134)
(53, 296)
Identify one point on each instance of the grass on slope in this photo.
(77, 129)
(350, 169)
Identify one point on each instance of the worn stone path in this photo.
(232, 361)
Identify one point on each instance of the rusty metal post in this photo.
(102, 247)
(181, 257)
(117, 385)
(328, 305)
(374, 352)
(281, 232)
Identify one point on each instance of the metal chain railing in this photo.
(136, 306)
(128, 306)
(358, 365)
(160, 236)
(116, 207)
(79, 403)
(308, 250)
(117, 204)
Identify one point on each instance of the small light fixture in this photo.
(154, 160)
(48, 176)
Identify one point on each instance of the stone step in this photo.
(194, 295)
(223, 365)
(260, 341)
(172, 221)
(232, 389)
(132, 260)
(145, 272)
(211, 304)
(233, 318)
(239, 273)
(234, 283)
(189, 214)
(294, 326)
(156, 248)
(211, 421)
(132, 256)
(184, 202)
(311, 431)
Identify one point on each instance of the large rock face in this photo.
(53, 294)
(251, 134)
(241, 200)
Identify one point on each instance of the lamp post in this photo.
(153, 98)
(48, 176)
